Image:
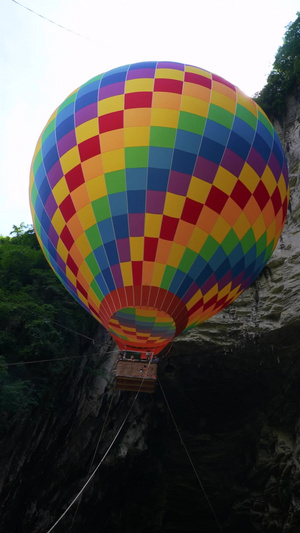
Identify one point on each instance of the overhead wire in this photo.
(49, 20)
(189, 458)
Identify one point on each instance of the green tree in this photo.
(284, 78)
(39, 320)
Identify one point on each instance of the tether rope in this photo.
(189, 458)
(170, 348)
(48, 320)
(51, 360)
(72, 330)
(43, 360)
(101, 433)
(95, 452)
(104, 456)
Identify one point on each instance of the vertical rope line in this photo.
(104, 456)
(102, 431)
(190, 459)
(93, 458)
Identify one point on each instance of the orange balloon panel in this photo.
(158, 194)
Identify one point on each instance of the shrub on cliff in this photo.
(284, 79)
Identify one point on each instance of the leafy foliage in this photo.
(39, 321)
(284, 78)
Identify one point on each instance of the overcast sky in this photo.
(41, 63)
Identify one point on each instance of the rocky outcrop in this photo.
(216, 448)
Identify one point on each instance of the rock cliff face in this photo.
(216, 448)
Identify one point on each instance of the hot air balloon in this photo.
(158, 193)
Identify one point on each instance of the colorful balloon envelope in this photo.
(158, 194)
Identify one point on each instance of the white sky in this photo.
(40, 63)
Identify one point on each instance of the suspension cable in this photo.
(105, 454)
(189, 458)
